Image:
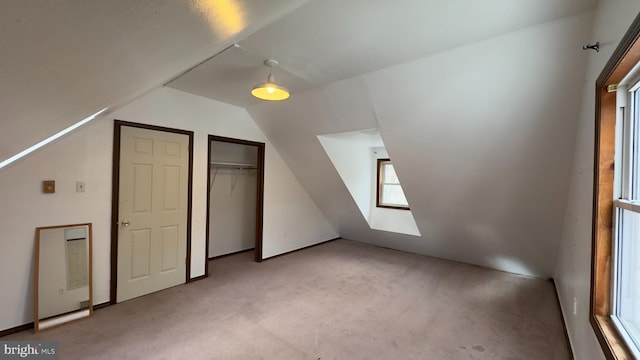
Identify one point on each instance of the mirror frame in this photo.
(58, 320)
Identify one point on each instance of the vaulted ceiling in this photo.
(477, 102)
(326, 41)
(64, 60)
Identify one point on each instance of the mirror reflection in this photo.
(63, 290)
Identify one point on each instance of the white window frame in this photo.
(380, 186)
(626, 190)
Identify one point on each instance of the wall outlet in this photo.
(80, 186)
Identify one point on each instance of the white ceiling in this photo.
(481, 131)
(476, 101)
(329, 40)
(66, 59)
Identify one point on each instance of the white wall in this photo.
(354, 156)
(232, 214)
(573, 270)
(481, 136)
(105, 53)
(352, 161)
(232, 203)
(83, 155)
(291, 220)
(394, 220)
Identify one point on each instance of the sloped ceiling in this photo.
(330, 40)
(476, 103)
(64, 60)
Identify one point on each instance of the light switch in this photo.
(49, 186)
(80, 186)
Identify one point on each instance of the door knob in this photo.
(125, 222)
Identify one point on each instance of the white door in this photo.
(152, 209)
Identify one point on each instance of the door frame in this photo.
(259, 192)
(115, 197)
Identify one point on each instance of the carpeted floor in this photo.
(339, 300)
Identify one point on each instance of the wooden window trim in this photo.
(626, 55)
(379, 188)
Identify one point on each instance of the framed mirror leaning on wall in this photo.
(62, 284)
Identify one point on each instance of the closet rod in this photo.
(221, 164)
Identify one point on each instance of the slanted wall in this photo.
(291, 220)
(481, 137)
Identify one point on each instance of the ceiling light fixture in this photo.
(270, 90)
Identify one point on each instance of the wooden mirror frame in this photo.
(60, 319)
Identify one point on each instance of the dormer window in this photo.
(389, 194)
(363, 164)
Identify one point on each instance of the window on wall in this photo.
(389, 194)
(615, 288)
(625, 310)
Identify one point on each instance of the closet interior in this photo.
(234, 181)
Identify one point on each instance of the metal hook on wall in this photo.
(595, 47)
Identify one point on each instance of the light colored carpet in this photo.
(339, 300)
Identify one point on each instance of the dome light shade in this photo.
(270, 90)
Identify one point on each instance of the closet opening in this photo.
(235, 197)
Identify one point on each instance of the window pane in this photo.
(390, 175)
(393, 195)
(635, 144)
(627, 292)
